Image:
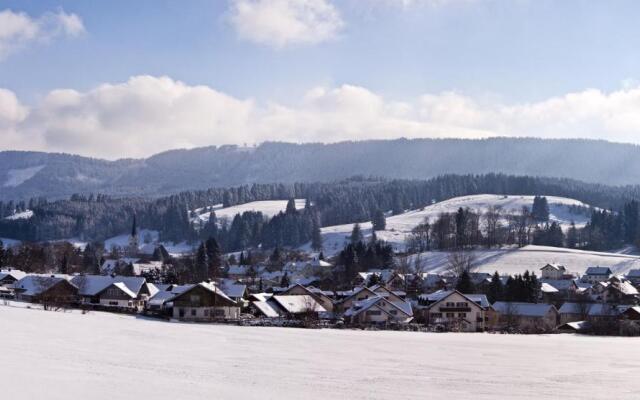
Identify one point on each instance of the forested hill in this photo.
(28, 174)
(97, 217)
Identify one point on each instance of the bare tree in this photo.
(460, 261)
(492, 219)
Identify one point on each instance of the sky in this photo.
(116, 79)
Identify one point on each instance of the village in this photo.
(550, 300)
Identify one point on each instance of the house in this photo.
(321, 297)
(236, 291)
(161, 302)
(592, 312)
(527, 316)
(378, 310)
(388, 277)
(204, 301)
(564, 288)
(596, 274)
(129, 293)
(553, 272)
(616, 290)
(452, 310)
(115, 266)
(634, 276)
(54, 290)
(9, 276)
(575, 327)
(298, 306)
(355, 295)
(631, 313)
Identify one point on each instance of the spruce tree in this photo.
(496, 289)
(465, 285)
(379, 221)
(356, 234)
(316, 236)
(2, 254)
(284, 282)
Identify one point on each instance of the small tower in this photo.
(132, 249)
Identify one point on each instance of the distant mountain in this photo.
(32, 174)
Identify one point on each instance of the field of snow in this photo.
(532, 258)
(21, 215)
(268, 207)
(399, 226)
(97, 356)
(6, 242)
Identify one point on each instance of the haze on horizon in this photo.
(122, 79)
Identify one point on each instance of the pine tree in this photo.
(284, 282)
(572, 236)
(356, 234)
(291, 207)
(379, 221)
(3, 254)
(496, 289)
(316, 236)
(465, 285)
(201, 265)
(214, 257)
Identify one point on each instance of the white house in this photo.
(378, 310)
(596, 274)
(532, 316)
(553, 271)
(452, 310)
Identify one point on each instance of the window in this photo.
(462, 315)
(462, 304)
(181, 312)
(193, 312)
(374, 312)
(436, 315)
(206, 312)
(449, 304)
(451, 315)
(393, 312)
(219, 312)
(194, 298)
(113, 303)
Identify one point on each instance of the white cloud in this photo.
(147, 114)
(18, 29)
(281, 23)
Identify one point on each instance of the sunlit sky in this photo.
(131, 78)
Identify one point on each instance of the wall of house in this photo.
(450, 310)
(205, 313)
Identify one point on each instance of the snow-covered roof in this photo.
(15, 273)
(261, 296)
(297, 304)
(556, 267)
(125, 289)
(210, 286)
(479, 299)
(598, 271)
(266, 308)
(91, 285)
(625, 288)
(360, 306)
(523, 309)
(234, 290)
(590, 309)
(34, 284)
(164, 296)
(559, 284)
(547, 288)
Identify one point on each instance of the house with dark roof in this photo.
(54, 290)
(526, 316)
(454, 311)
(596, 274)
(204, 301)
(129, 293)
(378, 310)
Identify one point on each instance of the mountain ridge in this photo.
(172, 171)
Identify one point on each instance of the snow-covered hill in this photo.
(268, 207)
(399, 226)
(532, 258)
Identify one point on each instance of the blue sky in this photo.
(314, 70)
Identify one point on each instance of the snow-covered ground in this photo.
(268, 207)
(97, 356)
(16, 177)
(21, 215)
(6, 242)
(399, 226)
(532, 258)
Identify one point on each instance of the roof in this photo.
(124, 288)
(556, 267)
(625, 288)
(15, 273)
(266, 308)
(360, 306)
(590, 309)
(233, 290)
(559, 284)
(578, 326)
(209, 286)
(547, 288)
(598, 271)
(633, 273)
(523, 309)
(164, 296)
(33, 285)
(297, 304)
(479, 299)
(91, 285)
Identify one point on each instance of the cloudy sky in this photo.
(127, 78)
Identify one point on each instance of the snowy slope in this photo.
(532, 258)
(99, 356)
(399, 226)
(268, 207)
(21, 215)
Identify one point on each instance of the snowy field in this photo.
(268, 208)
(399, 226)
(49, 355)
(532, 258)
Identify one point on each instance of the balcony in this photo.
(445, 309)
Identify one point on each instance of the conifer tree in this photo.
(465, 285)
(356, 234)
(496, 289)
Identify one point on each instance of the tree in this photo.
(291, 207)
(459, 262)
(316, 235)
(3, 254)
(540, 209)
(374, 279)
(201, 265)
(356, 234)
(496, 288)
(378, 221)
(572, 236)
(214, 257)
(284, 282)
(465, 285)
